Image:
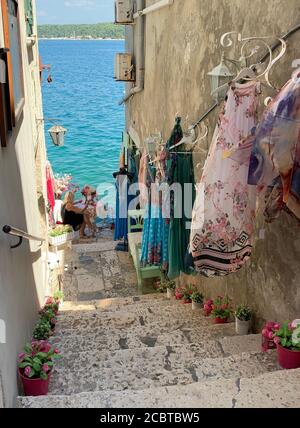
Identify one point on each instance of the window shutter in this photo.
(29, 17)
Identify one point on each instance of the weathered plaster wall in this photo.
(182, 45)
(23, 271)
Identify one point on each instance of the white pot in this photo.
(170, 293)
(197, 306)
(242, 327)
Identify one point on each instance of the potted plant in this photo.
(287, 339)
(42, 330)
(35, 367)
(48, 315)
(268, 333)
(58, 297)
(61, 234)
(179, 291)
(221, 310)
(208, 307)
(187, 294)
(197, 300)
(243, 318)
(171, 289)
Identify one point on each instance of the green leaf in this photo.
(43, 376)
(23, 365)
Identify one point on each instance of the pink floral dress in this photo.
(224, 210)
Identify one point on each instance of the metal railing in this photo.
(21, 234)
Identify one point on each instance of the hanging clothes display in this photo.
(179, 233)
(122, 203)
(50, 182)
(156, 226)
(224, 211)
(275, 159)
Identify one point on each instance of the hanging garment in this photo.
(181, 214)
(156, 226)
(122, 202)
(224, 211)
(275, 159)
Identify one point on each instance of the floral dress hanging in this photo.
(224, 210)
(275, 158)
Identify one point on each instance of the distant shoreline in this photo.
(79, 39)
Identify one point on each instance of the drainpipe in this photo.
(139, 35)
(156, 6)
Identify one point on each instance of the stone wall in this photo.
(182, 44)
(23, 271)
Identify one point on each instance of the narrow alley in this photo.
(124, 350)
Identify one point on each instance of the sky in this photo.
(74, 11)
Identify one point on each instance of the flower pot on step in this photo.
(170, 293)
(197, 306)
(287, 358)
(220, 320)
(34, 387)
(242, 328)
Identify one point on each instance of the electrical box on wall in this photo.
(124, 67)
(124, 12)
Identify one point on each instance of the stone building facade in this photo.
(24, 270)
(182, 44)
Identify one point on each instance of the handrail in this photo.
(263, 59)
(9, 230)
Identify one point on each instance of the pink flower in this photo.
(56, 351)
(27, 371)
(270, 325)
(270, 335)
(22, 355)
(277, 327)
(277, 340)
(265, 332)
(45, 368)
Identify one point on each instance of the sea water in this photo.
(83, 97)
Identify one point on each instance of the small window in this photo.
(12, 92)
(29, 17)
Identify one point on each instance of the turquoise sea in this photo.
(84, 97)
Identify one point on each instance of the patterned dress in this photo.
(224, 210)
(275, 158)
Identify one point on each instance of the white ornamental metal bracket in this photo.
(246, 53)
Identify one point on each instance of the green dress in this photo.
(179, 232)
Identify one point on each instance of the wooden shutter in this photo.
(29, 17)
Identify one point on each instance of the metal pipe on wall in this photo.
(153, 8)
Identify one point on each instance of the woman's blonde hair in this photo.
(69, 198)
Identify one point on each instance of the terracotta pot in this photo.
(186, 302)
(288, 359)
(220, 320)
(34, 387)
(242, 327)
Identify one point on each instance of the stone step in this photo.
(117, 303)
(166, 314)
(268, 390)
(152, 335)
(150, 369)
(173, 353)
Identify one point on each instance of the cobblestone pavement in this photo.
(95, 270)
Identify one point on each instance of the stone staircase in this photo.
(148, 351)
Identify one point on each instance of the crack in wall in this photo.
(238, 386)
